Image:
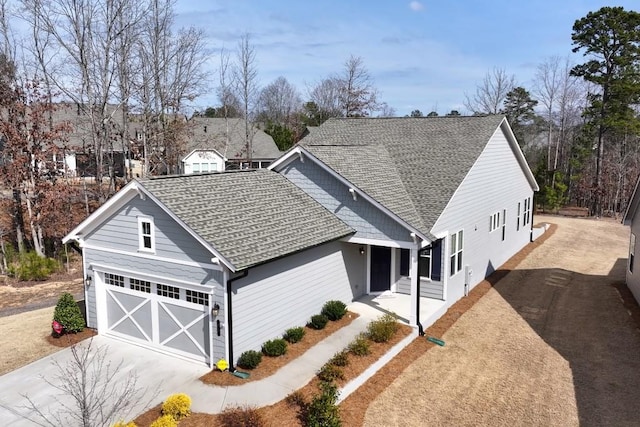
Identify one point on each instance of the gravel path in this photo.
(551, 344)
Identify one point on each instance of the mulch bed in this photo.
(270, 365)
(67, 340)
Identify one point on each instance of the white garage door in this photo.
(168, 318)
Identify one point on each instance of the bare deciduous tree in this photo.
(358, 96)
(278, 102)
(491, 93)
(99, 396)
(245, 77)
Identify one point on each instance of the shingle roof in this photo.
(249, 217)
(210, 133)
(412, 166)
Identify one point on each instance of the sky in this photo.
(424, 54)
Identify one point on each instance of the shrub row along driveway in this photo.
(551, 344)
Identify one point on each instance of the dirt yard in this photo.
(24, 322)
(551, 344)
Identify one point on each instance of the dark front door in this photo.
(380, 269)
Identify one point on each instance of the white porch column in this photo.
(415, 280)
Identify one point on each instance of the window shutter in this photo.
(404, 262)
(436, 260)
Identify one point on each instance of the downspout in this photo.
(420, 328)
(230, 317)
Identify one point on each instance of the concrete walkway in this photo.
(159, 375)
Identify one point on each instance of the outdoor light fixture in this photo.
(88, 280)
(361, 250)
(215, 310)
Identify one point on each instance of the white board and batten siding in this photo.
(495, 183)
(285, 293)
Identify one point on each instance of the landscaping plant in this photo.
(250, 359)
(323, 411)
(341, 358)
(360, 346)
(121, 423)
(68, 314)
(318, 321)
(165, 421)
(178, 406)
(334, 310)
(274, 348)
(294, 335)
(383, 328)
(244, 416)
(330, 372)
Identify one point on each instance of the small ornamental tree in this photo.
(68, 314)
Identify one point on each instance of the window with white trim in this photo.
(146, 234)
(424, 263)
(456, 243)
(494, 222)
(632, 252)
(140, 285)
(195, 168)
(114, 280)
(197, 297)
(168, 291)
(504, 223)
(205, 167)
(526, 212)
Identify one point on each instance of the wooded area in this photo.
(115, 82)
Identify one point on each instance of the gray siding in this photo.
(365, 218)
(120, 232)
(427, 289)
(495, 182)
(287, 292)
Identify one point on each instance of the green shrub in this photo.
(334, 310)
(323, 411)
(177, 405)
(31, 266)
(241, 416)
(359, 346)
(329, 373)
(250, 359)
(165, 421)
(318, 321)
(294, 335)
(383, 328)
(274, 348)
(68, 314)
(340, 359)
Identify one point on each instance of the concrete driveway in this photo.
(550, 344)
(157, 376)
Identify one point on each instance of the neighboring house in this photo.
(208, 266)
(218, 144)
(632, 219)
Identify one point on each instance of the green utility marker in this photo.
(243, 375)
(436, 341)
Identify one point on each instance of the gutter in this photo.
(532, 213)
(244, 274)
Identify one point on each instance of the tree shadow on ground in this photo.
(593, 322)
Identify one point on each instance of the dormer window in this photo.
(146, 234)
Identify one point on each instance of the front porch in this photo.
(400, 305)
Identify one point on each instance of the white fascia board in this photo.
(513, 142)
(358, 191)
(285, 159)
(109, 207)
(632, 206)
